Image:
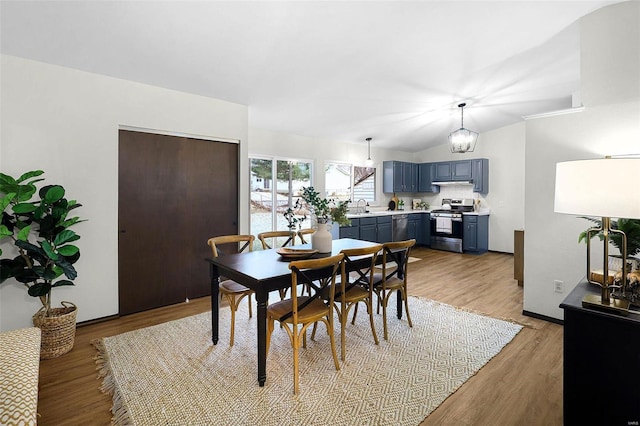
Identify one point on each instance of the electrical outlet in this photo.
(558, 286)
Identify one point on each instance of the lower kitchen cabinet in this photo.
(424, 234)
(475, 233)
(374, 229)
(414, 226)
(352, 230)
(384, 229)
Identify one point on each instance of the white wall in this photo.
(609, 125)
(504, 148)
(65, 122)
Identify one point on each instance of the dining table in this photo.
(264, 271)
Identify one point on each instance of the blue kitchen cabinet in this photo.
(426, 172)
(413, 226)
(461, 170)
(480, 175)
(375, 229)
(442, 171)
(352, 230)
(425, 230)
(383, 224)
(399, 176)
(368, 229)
(475, 233)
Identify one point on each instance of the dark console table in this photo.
(601, 363)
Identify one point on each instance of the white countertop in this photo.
(396, 212)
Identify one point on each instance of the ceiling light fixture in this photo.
(462, 140)
(369, 161)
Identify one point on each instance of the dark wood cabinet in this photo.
(601, 363)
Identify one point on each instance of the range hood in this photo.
(453, 182)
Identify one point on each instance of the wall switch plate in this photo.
(558, 286)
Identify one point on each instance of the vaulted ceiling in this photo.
(391, 70)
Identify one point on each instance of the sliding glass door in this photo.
(276, 185)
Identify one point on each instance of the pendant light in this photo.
(462, 140)
(369, 161)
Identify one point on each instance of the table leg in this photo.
(215, 302)
(262, 297)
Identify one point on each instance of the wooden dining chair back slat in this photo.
(232, 291)
(394, 278)
(265, 236)
(303, 234)
(299, 312)
(357, 287)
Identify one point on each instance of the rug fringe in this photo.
(108, 387)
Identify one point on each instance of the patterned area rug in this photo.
(172, 374)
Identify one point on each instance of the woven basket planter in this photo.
(58, 330)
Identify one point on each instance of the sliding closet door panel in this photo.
(174, 194)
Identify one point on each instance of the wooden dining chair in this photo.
(265, 236)
(231, 290)
(299, 312)
(395, 258)
(307, 232)
(358, 287)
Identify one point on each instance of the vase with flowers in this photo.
(325, 210)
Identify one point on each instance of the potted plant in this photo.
(38, 227)
(324, 210)
(631, 228)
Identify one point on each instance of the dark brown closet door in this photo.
(174, 194)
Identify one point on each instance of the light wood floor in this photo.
(521, 385)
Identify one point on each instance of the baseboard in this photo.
(97, 320)
(543, 317)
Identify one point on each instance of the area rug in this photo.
(172, 374)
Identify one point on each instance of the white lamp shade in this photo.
(608, 187)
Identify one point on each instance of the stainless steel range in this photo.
(446, 224)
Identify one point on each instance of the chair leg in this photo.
(329, 325)
(233, 307)
(269, 331)
(369, 303)
(296, 347)
(384, 315)
(355, 312)
(406, 306)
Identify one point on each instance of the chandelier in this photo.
(462, 140)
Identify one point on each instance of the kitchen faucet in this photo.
(361, 209)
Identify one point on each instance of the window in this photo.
(270, 198)
(347, 182)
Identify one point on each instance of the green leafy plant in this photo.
(294, 221)
(39, 229)
(326, 209)
(631, 227)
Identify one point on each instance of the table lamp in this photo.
(606, 188)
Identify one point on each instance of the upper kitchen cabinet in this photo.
(448, 171)
(461, 170)
(442, 171)
(480, 175)
(399, 176)
(426, 172)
